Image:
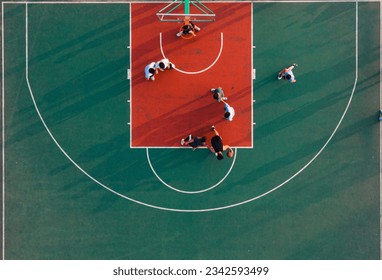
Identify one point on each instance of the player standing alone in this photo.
(287, 74)
(188, 28)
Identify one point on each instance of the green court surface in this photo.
(74, 189)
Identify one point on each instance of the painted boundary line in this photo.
(380, 128)
(167, 1)
(130, 82)
(252, 82)
(2, 136)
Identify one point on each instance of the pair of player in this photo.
(217, 147)
(152, 69)
(218, 95)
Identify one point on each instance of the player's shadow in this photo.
(258, 84)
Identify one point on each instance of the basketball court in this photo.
(92, 166)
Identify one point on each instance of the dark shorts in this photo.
(217, 144)
(188, 28)
(196, 143)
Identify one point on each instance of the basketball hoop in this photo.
(173, 12)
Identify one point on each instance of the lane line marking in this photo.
(2, 133)
(380, 126)
(131, 81)
(252, 66)
(163, 1)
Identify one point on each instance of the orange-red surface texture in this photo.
(179, 103)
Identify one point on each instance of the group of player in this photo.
(188, 28)
(217, 146)
(152, 68)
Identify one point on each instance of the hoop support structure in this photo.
(167, 13)
(180, 17)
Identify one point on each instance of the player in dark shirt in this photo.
(217, 146)
(188, 28)
(194, 142)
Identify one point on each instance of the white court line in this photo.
(190, 192)
(130, 83)
(167, 1)
(252, 82)
(2, 134)
(196, 72)
(192, 210)
(380, 129)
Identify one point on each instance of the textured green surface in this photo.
(78, 58)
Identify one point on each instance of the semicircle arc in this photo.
(200, 71)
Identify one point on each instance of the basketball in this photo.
(229, 154)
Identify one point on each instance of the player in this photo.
(229, 111)
(217, 146)
(164, 64)
(287, 74)
(194, 142)
(188, 28)
(150, 71)
(218, 94)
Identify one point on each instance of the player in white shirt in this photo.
(164, 64)
(229, 111)
(150, 71)
(287, 74)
